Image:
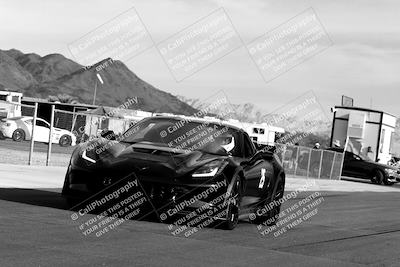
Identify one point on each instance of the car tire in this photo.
(65, 140)
(65, 190)
(71, 199)
(233, 208)
(2, 137)
(377, 177)
(271, 217)
(18, 135)
(386, 182)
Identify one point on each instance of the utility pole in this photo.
(32, 142)
(95, 86)
(50, 136)
(95, 91)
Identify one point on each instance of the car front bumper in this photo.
(172, 199)
(6, 131)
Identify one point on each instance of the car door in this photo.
(354, 166)
(257, 172)
(42, 131)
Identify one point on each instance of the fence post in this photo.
(341, 165)
(297, 159)
(333, 164)
(32, 135)
(309, 162)
(50, 136)
(320, 164)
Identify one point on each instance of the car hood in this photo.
(145, 159)
(384, 166)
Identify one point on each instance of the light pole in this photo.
(95, 86)
(95, 91)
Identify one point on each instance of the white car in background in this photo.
(20, 128)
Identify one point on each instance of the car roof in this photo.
(337, 149)
(197, 120)
(24, 118)
(19, 118)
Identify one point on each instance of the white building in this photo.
(370, 131)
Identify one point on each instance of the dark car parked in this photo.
(174, 178)
(363, 167)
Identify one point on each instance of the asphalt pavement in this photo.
(355, 224)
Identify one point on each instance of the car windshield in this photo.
(185, 135)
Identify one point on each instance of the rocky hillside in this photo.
(55, 74)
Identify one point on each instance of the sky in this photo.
(363, 61)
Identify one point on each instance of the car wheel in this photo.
(271, 216)
(68, 194)
(386, 182)
(377, 177)
(65, 140)
(233, 208)
(18, 135)
(66, 190)
(2, 137)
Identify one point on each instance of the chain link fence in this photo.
(301, 161)
(16, 134)
(67, 130)
(86, 126)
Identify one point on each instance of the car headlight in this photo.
(390, 171)
(210, 169)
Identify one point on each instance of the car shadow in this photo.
(49, 199)
(36, 197)
(52, 198)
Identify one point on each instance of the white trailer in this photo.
(10, 104)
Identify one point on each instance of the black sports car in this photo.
(362, 167)
(184, 167)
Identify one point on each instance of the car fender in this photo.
(8, 130)
(60, 132)
(28, 130)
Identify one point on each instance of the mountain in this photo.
(12, 74)
(251, 113)
(55, 74)
(303, 129)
